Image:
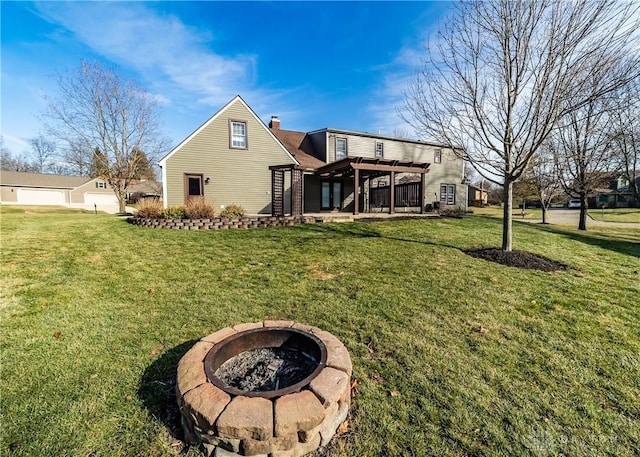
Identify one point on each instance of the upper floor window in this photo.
(238, 134)
(101, 185)
(437, 155)
(341, 148)
(379, 149)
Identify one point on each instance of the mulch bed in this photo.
(518, 259)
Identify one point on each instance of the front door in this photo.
(193, 187)
(331, 195)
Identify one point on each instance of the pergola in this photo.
(362, 168)
(277, 189)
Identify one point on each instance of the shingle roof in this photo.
(16, 178)
(299, 145)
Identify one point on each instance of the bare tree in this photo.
(42, 152)
(76, 159)
(496, 82)
(98, 108)
(400, 132)
(542, 177)
(11, 162)
(582, 150)
(625, 123)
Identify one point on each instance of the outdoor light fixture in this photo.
(206, 180)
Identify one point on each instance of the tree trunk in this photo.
(121, 194)
(582, 225)
(507, 222)
(544, 213)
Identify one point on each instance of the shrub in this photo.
(457, 212)
(174, 212)
(199, 208)
(233, 212)
(150, 207)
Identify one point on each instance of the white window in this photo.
(341, 148)
(238, 135)
(448, 194)
(379, 149)
(437, 155)
(101, 185)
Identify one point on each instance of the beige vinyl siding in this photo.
(8, 194)
(448, 171)
(237, 176)
(77, 194)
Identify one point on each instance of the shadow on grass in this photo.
(610, 244)
(157, 386)
(362, 229)
(341, 229)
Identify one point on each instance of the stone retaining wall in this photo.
(292, 425)
(221, 223)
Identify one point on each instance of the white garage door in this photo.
(100, 199)
(41, 197)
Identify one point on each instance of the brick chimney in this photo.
(274, 123)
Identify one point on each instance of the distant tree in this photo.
(76, 159)
(496, 83)
(99, 164)
(470, 174)
(625, 134)
(542, 179)
(43, 152)
(399, 132)
(97, 108)
(582, 150)
(145, 170)
(11, 162)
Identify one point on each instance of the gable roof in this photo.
(17, 178)
(381, 137)
(235, 99)
(300, 146)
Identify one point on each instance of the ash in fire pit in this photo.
(266, 369)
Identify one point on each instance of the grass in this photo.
(96, 313)
(631, 215)
(496, 211)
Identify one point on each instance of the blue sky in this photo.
(314, 64)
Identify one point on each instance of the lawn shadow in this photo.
(364, 229)
(620, 246)
(341, 229)
(157, 386)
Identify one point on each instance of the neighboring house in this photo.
(45, 189)
(234, 158)
(477, 196)
(619, 194)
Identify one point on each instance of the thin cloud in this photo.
(174, 57)
(396, 78)
(389, 96)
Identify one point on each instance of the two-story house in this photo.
(234, 158)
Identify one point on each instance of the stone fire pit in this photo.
(272, 388)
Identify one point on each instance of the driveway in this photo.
(572, 217)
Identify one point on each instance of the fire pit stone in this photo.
(293, 421)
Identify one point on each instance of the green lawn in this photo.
(95, 314)
(616, 215)
(496, 211)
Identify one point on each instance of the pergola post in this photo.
(297, 192)
(392, 192)
(422, 197)
(356, 192)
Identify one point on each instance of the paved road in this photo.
(572, 216)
